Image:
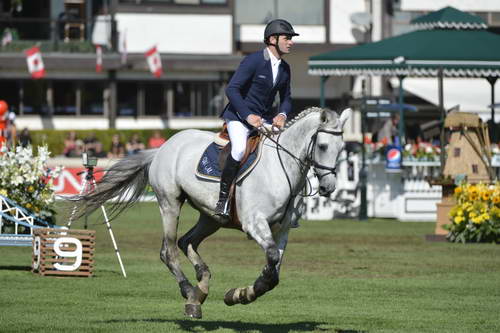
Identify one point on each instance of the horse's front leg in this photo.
(269, 277)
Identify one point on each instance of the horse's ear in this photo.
(324, 116)
(346, 114)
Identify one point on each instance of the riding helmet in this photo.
(279, 27)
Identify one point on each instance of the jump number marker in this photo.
(76, 253)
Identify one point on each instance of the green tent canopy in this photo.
(460, 53)
(449, 18)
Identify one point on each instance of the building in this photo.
(201, 42)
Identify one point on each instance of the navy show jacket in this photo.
(251, 89)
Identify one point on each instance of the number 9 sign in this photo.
(59, 244)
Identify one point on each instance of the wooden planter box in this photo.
(63, 252)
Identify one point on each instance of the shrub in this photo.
(54, 139)
(476, 215)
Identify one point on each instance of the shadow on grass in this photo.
(15, 268)
(238, 326)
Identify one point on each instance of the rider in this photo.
(251, 93)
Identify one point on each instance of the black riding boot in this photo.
(226, 180)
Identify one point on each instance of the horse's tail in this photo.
(124, 182)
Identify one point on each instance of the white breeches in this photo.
(238, 134)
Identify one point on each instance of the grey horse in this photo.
(312, 139)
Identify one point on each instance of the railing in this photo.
(17, 224)
(62, 35)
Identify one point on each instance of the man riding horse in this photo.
(251, 93)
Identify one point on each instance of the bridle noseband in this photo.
(310, 155)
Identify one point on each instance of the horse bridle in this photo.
(311, 149)
(310, 161)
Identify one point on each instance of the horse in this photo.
(313, 138)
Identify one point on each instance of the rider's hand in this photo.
(255, 120)
(279, 120)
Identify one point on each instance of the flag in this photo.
(154, 61)
(98, 61)
(35, 62)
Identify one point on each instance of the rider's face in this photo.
(285, 44)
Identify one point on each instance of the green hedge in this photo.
(55, 138)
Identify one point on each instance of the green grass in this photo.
(343, 276)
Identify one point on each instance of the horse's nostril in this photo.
(322, 189)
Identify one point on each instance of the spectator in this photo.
(389, 132)
(72, 146)
(11, 129)
(25, 137)
(117, 149)
(99, 151)
(156, 140)
(134, 145)
(90, 144)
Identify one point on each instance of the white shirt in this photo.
(275, 64)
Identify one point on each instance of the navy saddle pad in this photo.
(208, 165)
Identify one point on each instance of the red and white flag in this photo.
(98, 60)
(35, 62)
(154, 62)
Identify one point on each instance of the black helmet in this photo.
(279, 27)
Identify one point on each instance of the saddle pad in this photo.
(208, 165)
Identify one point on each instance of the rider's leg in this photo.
(238, 134)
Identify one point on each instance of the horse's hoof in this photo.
(229, 297)
(193, 311)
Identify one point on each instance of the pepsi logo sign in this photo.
(393, 155)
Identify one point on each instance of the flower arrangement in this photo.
(25, 179)
(476, 215)
(422, 151)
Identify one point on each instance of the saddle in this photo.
(214, 158)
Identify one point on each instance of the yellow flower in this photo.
(485, 195)
(472, 214)
(4, 192)
(473, 189)
(496, 199)
(458, 190)
(473, 196)
(31, 189)
(28, 205)
(458, 219)
(477, 220)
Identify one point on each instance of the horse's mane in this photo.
(301, 115)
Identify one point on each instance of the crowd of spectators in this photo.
(74, 147)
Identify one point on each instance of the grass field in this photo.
(338, 276)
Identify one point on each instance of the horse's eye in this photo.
(323, 147)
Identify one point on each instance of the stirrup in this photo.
(222, 208)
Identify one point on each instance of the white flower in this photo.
(408, 147)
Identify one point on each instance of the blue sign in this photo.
(394, 158)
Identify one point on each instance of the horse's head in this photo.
(326, 146)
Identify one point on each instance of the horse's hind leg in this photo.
(189, 245)
(169, 254)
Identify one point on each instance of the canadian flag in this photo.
(35, 62)
(98, 61)
(154, 62)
